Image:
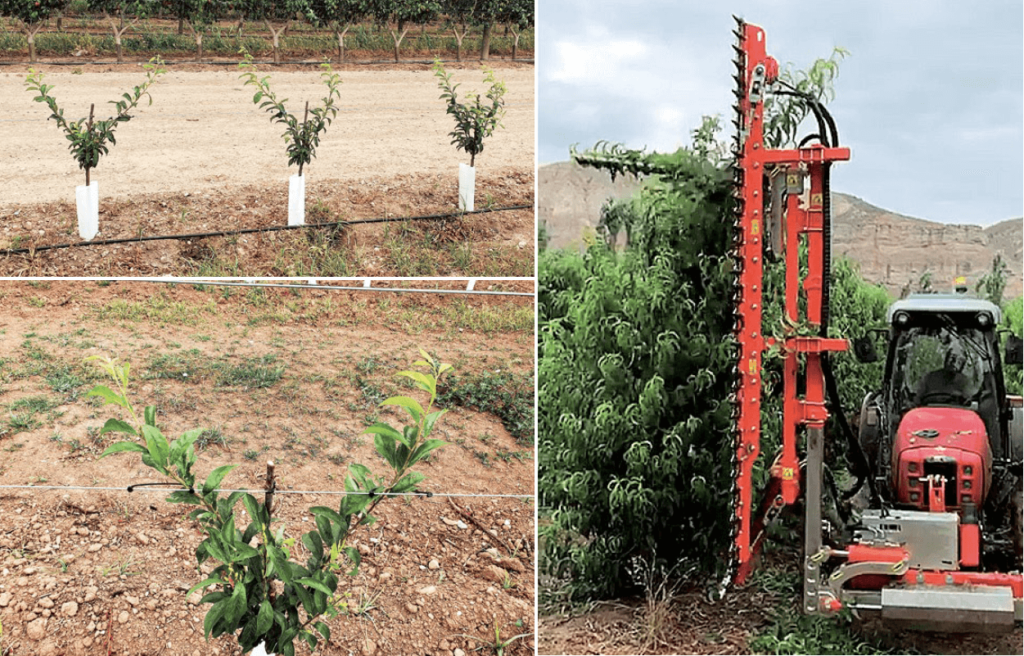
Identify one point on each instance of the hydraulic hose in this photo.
(860, 466)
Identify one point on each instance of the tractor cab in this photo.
(943, 354)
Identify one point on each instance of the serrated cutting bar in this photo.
(754, 71)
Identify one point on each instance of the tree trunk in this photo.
(276, 36)
(30, 34)
(458, 41)
(120, 52)
(181, 24)
(515, 43)
(60, 23)
(485, 43)
(397, 38)
(341, 43)
(199, 46)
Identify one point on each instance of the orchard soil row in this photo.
(203, 158)
(293, 377)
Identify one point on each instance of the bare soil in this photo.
(204, 141)
(688, 623)
(487, 244)
(85, 572)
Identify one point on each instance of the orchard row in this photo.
(214, 18)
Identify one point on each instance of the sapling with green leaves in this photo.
(475, 120)
(123, 15)
(257, 591)
(89, 137)
(302, 137)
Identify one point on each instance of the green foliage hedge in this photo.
(636, 367)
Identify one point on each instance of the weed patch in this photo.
(792, 632)
(253, 373)
(504, 394)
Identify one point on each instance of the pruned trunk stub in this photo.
(485, 43)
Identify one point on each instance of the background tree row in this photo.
(203, 18)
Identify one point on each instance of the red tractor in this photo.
(943, 444)
(932, 541)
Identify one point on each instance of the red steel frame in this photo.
(759, 70)
(804, 215)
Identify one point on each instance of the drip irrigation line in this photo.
(281, 285)
(246, 231)
(134, 488)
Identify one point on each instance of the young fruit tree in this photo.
(122, 14)
(339, 16)
(276, 15)
(200, 15)
(518, 15)
(302, 137)
(398, 15)
(459, 17)
(89, 137)
(30, 16)
(474, 120)
(258, 592)
(485, 14)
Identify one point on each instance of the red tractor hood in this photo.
(932, 435)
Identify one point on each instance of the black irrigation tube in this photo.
(246, 231)
(303, 62)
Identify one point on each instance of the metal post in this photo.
(269, 486)
(812, 516)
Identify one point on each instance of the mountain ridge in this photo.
(892, 249)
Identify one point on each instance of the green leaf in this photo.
(424, 449)
(324, 630)
(414, 408)
(316, 585)
(329, 513)
(353, 555)
(424, 382)
(428, 425)
(215, 477)
(122, 446)
(150, 415)
(236, 605)
(158, 447)
(386, 448)
(181, 445)
(108, 396)
(408, 482)
(252, 507)
(214, 615)
(387, 431)
(183, 496)
(243, 552)
(265, 618)
(306, 598)
(359, 473)
(204, 584)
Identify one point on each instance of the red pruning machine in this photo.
(928, 535)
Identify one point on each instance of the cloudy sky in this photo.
(929, 100)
